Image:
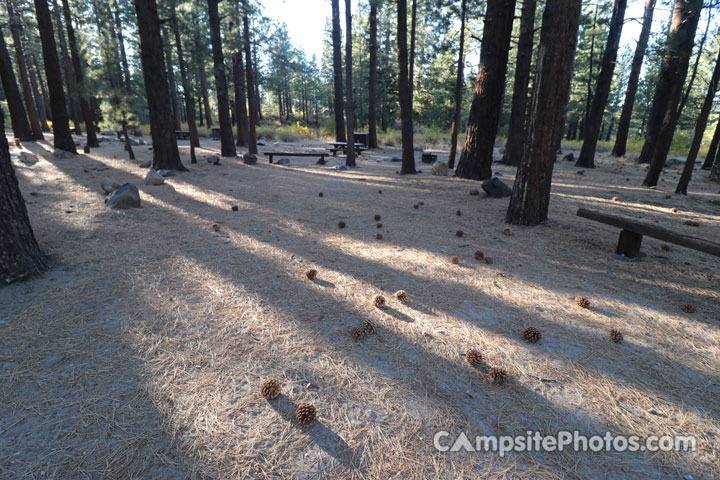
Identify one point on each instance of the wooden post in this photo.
(629, 244)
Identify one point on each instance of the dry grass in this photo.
(141, 353)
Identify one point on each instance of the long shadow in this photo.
(438, 363)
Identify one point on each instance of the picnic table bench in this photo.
(632, 233)
(343, 146)
(322, 155)
(182, 134)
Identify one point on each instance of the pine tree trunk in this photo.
(79, 80)
(531, 192)
(62, 138)
(165, 150)
(38, 98)
(405, 92)
(121, 44)
(477, 156)
(518, 112)
(372, 101)
(20, 254)
(715, 171)
(171, 79)
(227, 142)
(337, 73)
(23, 73)
(460, 85)
(693, 76)
(18, 117)
(700, 126)
(350, 109)
(674, 69)
(250, 77)
(413, 29)
(623, 130)
(243, 127)
(187, 89)
(68, 71)
(593, 124)
(40, 83)
(712, 151)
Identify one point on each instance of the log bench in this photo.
(633, 231)
(322, 155)
(182, 134)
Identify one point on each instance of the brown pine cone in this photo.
(582, 302)
(368, 327)
(311, 274)
(497, 375)
(357, 333)
(401, 296)
(306, 414)
(473, 357)
(270, 389)
(378, 301)
(616, 336)
(688, 308)
(532, 334)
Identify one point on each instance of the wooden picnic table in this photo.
(343, 146)
(182, 134)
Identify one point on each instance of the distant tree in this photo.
(372, 101)
(477, 156)
(250, 77)
(531, 192)
(227, 142)
(712, 150)
(20, 254)
(18, 117)
(62, 138)
(350, 107)
(460, 85)
(187, 89)
(405, 92)
(337, 74)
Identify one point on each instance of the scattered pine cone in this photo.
(479, 255)
(532, 334)
(507, 231)
(379, 225)
(459, 233)
(216, 227)
(378, 301)
(688, 308)
(401, 296)
(311, 274)
(320, 194)
(357, 333)
(616, 336)
(306, 414)
(377, 218)
(497, 375)
(368, 327)
(665, 248)
(270, 389)
(458, 213)
(488, 260)
(455, 260)
(341, 224)
(691, 223)
(234, 208)
(421, 203)
(615, 199)
(416, 206)
(582, 302)
(473, 357)
(380, 192)
(674, 210)
(379, 236)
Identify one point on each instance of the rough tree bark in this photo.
(187, 89)
(372, 102)
(337, 74)
(165, 149)
(712, 151)
(531, 192)
(623, 130)
(350, 105)
(405, 92)
(477, 156)
(227, 142)
(518, 112)
(593, 123)
(40, 104)
(20, 254)
(460, 85)
(121, 44)
(68, 71)
(18, 117)
(243, 127)
(177, 115)
(686, 14)
(62, 138)
(413, 28)
(250, 78)
(700, 126)
(15, 28)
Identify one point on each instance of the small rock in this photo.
(167, 172)
(249, 159)
(440, 169)
(396, 159)
(495, 188)
(283, 161)
(109, 185)
(28, 158)
(474, 192)
(62, 154)
(581, 172)
(569, 158)
(127, 196)
(339, 167)
(154, 178)
(261, 142)
(213, 159)
(146, 164)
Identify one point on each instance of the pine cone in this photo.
(497, 375)
(479, 255)
(507, 231)
(306, 414)
(368, 327)
(320, 194)
(582, 302)
(379, 225)
(488, 260)
(341, 224)
(270, 389)
(401, 296)
(616, 336)
(454, 260)
(532, 334)
(379, 236)
(377, 218)
(311, 274)
(688, 308)
(378, 301)
(459, 233)
(473, 357)
(357, 333)
(458, 213)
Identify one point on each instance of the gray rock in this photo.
(213, 159)
(396, 159)
(62, 154)
(440, 169)
(283, 161)
(569, 158)
(671, 162)
(249, 159)
(28, 158)
(109, 133)
(339, 167)
(474, 192)
(495, 188)
(167, 172)
(154, 178)
(109, 185)
(146, 164)
(262, 142)
(127, 196)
